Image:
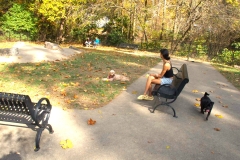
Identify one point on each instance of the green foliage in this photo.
(18, 21)
(235, 3)
(154, 45)
(229, 57)
(117, 29)
(115, 37)
(80, 34)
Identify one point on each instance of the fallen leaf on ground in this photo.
(195, 91)
(167, 147)
(197, 105)
(67, 101)
(225, 106)
(218, 116)
(65, 84)
(66, 144)
(216, 129)
(91, 122)
(75, 96)
(198, 99)
(134, 92)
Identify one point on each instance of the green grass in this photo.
(76, 82)
(230, 73)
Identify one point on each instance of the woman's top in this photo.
(169, 73)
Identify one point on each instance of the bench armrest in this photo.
(38, 108)
(177, 70)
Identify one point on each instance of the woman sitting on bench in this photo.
(165, 77)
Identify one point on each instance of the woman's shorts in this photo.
(165, 80)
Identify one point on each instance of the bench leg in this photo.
(49, 127)
(174, 113)
(37, 139)
(153, 109)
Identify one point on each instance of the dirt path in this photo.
(37, 53)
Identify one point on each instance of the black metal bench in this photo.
(171, 92)
(17, 108)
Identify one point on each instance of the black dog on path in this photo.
(206, 104)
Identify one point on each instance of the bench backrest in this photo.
(15, 103)
(180, 79)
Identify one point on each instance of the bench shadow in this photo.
(149, 105)
(11, 156)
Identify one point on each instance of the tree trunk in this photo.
(61, 30)
(163, 20)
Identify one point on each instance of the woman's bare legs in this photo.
(148, 88)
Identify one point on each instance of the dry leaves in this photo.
(225, 106)
(218, 116)
(197, 105)
(63, 93)
(216, 129)
(91, 122)
(195, 91)
(75, 96)
(66, 144)
(134, 92)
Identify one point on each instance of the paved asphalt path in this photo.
(126, 130)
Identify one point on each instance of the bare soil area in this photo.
(38, 53)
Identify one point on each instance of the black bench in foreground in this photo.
(171, 92)
(17, 108)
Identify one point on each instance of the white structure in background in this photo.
(102, 22)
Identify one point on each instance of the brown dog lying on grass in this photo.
(115, 77)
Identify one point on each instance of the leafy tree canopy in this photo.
(19, 20)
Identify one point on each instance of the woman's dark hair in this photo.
(165, 54)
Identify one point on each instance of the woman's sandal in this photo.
(145, 97)
(141, 97)
(149, 98)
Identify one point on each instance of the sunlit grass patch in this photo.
(76, 82)
(231, 73)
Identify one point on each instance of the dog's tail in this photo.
(206, 94)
